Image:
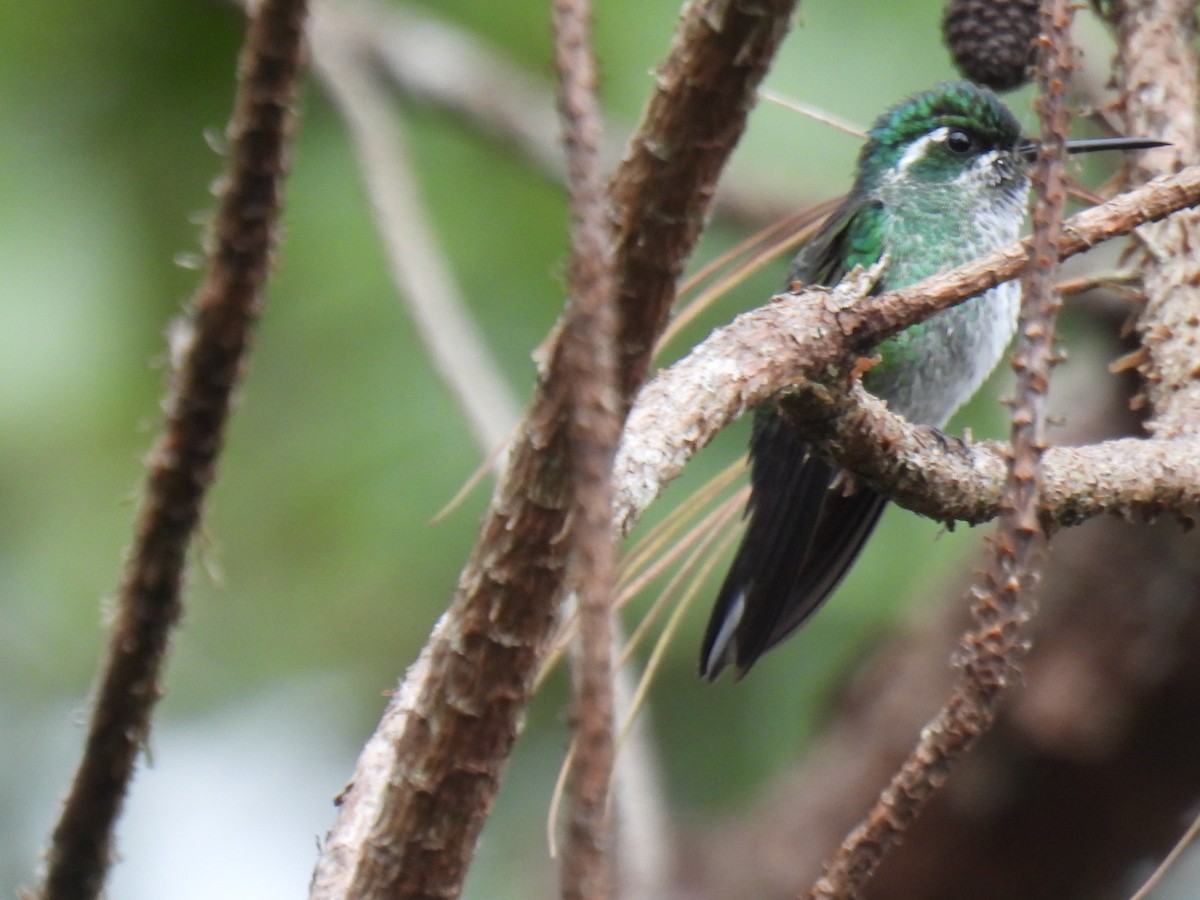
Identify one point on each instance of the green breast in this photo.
(930, 369)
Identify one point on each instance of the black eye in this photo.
(960, 142)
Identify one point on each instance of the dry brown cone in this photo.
(991, 41)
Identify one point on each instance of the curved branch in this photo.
(948, 480)
(431, 60)
(1002, 597)
(417, 263)
(813, 336)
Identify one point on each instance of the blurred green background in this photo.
(319, 574)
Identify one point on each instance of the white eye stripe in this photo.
(917, 149)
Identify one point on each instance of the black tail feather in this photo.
(804, 532)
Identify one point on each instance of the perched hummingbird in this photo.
(942, 179)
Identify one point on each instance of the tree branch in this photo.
(425, 781)
(813, 336)
(663, 189)
(588, 366)
(356, 48)
(1158, 67)
(432, 61)
(948, 480)
(991, 649)
(210, 349)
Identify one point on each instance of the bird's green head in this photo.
(956, 133)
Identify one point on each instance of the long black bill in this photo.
(1029, 150)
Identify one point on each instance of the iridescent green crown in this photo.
(954, 104)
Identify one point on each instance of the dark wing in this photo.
(804, 533)
(852, 237)
(804, 530)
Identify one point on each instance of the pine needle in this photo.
(713, 528)
(488, 464)
(659, 549)
(653, 542)
(668, 632)
(1172, 858)
(707, 531)
(812, 112)
(765, 246)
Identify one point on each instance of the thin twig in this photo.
(350, 41)
(212, 349)
(418, 267)
(430, 60)
(588, 368)
(1119, 280)
(1169, 861)
(433, 61)
(991, 649)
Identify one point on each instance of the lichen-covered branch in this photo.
(948, 480)
(813, 336)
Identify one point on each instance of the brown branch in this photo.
(356, 48)
(426, 780)
(948, 480)
(815, 334)
(1084, 741)
(663, 189)
(1003, 600)
(1158, 72)
(588, 367)
(1087, 775)
(450, 336)
(182, 464)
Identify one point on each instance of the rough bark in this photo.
(1091, 769)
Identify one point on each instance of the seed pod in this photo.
(991, 41)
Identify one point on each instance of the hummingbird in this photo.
(942, 179)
